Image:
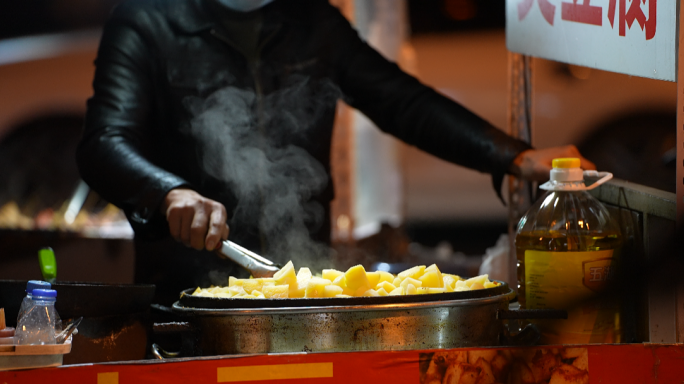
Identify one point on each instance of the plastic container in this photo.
(37, 326)
(28, 302)
(567, 247)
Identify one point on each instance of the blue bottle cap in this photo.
(44, 293)
(37, 284)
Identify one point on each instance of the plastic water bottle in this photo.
(37, 326)
(28, 302)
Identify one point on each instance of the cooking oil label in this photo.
(570, 281)
(560, 280)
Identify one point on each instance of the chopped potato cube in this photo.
(370, 292)
(382, 292)
(432, 279)
(414, 282)
(385, 276)
(476, 285)
(304, 274)
(423, 290)
(397, 281)
(397, 292)
(316, 286)
(331, 291)
(198, 290)
(387, 286)
(341, 295)
(436, 290)
(411, 289)
(477, 279)
(490, 284)
(449, 282)
(373, 279)
(461, 284)
(232, 281)
(331, 274)
(355, 278)
(413, 273)
(286, 276)
(276, 291)
(237, 290)
(252, 285)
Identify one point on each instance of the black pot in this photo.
(116, 321)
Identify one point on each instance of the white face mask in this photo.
(244, 5)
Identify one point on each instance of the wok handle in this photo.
(161, 354)
(528, 337)
(188, 337)
(518, 314)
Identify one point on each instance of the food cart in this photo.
(656, 359)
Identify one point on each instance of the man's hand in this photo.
(535, 164)
(194, 220)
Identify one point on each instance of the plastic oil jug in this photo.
(567, 247)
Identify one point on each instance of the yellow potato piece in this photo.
(411, 289)
(373, 279)
(423, 290)
(409, 281)
(316, 286)
(331, 291)
(382, 292)
(304, 273)
(436, 290)
(355, 278)
(490, 284)
(413, 273)
(449, 282)
(477, 279)
(397, 281)
(198, 290)
(385, 276)
(476, 285)
(397, 292)
(341, 295)
(331, 274)
(461, 284)
(286, 276)
(371, 292)
(387, 286)
(252, 285)
(432, 279)
(233, 281)
(276, 291)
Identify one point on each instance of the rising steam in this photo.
(246, 143)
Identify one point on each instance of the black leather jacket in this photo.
(159, 58)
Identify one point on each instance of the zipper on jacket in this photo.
(254, 64)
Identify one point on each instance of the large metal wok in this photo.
(459, 319)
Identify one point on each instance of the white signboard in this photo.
(635, 37)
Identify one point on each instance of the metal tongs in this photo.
(257, 265)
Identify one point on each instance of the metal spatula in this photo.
(257, 265)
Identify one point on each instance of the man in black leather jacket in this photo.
(195, 105)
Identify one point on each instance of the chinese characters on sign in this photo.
(581, 11)
(635, 37)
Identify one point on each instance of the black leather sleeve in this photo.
(113, 154)
(418, 115)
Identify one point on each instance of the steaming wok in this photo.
(217, 326)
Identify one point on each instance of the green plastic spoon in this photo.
(48, 264)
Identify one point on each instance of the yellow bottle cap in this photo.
(568, 162)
